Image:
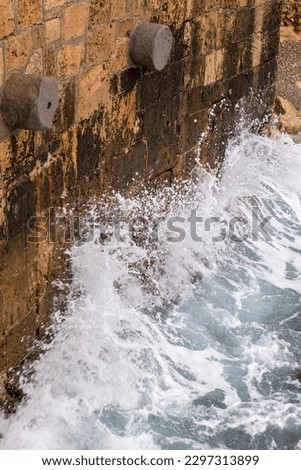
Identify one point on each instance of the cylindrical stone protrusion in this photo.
(29, 102)
(150, 45)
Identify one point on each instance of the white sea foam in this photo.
(188, 344)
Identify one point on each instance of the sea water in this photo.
(183, 320)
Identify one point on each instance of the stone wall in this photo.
(117, 126)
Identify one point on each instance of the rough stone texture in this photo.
(53, 30)
(117, 126)
(1, 66)
(17, 49)
(7, 21)
(28, 13)
(94, 87)
(101, 43)
(291, 14)
(70, 59)
(75, 20)
(290, 119)
(289, 71)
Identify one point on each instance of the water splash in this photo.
(181, 333)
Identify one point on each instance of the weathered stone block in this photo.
(21, 337)
(227, 28)
(99, 12)
(232, 4)
(20, 143)
(3, 354)
(19, 296)
(45, 308)
(120, 58)
(53, 30)
(149, 89)
(195, 72)
(162, 152)
(20, 206)
(214, 67)
(1, 66)
(50, 62)
(260, 2)
(128, 167)
(195, 99)
(17, 49)
(5, 154)
(38, 36)
(194, 8)
(101, 43)
(214, 92)
(127, 127)
(3, 224)
(42, 202)
(244, 24)
(114, 84)
(267, 74)
(257, 49)
(93, 91)
(212, 5)
(7, 22)
(28, 13)
(49, 4)
(270, 45)
(138, 7)
(172, 80)
(228, 120)
(89, 148)
(232, 60)
(12, 256)
(183, 167)
(209, 31)
(35, 63)
(172, 12)
(160, 116)
(271, 13)
(67, 108)
(124, 27)
(239, 86)
(70, 59)
(182, 41)
(238, 58)
(75, 20)
(118, 9)
(190, 130)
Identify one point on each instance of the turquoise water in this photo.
(181, 334)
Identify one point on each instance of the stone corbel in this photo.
(150, 45)
(28, 102)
